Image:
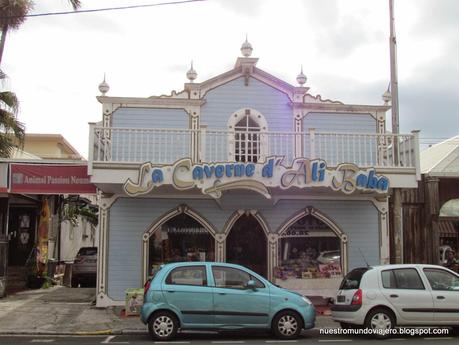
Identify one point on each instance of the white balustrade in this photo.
(165, 146)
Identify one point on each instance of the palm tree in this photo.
(13, 13)
(12, 131)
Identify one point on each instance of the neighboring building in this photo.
(244, 168)
(50, 146)
(431, 212)
(47, 167)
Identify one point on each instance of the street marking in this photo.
(172, 342)
(108, 340)
(281, 341)
(438, 338)
(228, 342)
(42, 340)
(333, 340)
(396, 339)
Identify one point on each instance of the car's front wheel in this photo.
(287, 325)
(163, 326)
(380, 321)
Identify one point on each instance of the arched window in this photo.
(248, 143)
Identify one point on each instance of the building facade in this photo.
(244, 168)
(47, 169)
(431, 212)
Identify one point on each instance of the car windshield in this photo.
(352, 279)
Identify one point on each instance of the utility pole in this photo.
(396, 192)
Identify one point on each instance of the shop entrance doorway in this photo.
(21, 229)
(246, 245)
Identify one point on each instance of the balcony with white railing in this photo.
(165, 146)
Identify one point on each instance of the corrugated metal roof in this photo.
(441, 159)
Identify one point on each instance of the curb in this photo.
(28, 333)
(101, 332)
(84, 333)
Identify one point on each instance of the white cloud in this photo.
(56, 63)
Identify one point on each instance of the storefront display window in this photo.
(180, 239)
(309, 249)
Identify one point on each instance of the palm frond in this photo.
(10, 99)
(13, 13)
(76, 4)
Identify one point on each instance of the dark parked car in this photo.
(84, 269)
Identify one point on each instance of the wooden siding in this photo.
(130, 218)
(226, 99)
(150, 118)
(342, 123)
(144, 147)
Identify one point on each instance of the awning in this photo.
(447, 229)
(50, 179)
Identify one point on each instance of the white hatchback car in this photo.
(383, 297)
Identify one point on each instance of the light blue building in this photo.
(244, 168)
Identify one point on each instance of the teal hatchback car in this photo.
(220, 296)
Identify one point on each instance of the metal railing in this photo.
(165, 146)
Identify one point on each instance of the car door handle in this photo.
(394, 296)
(440, 297)
(222, 293)
(170, 291)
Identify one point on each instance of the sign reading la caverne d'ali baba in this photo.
(214, 178)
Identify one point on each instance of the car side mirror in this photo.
(251, 285)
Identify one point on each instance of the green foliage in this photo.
(12, 131)
(73, 210)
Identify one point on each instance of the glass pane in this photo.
(352, 279)
(230, 278)
(180, 239)
(309, 249)
(408, 278)
(388, 279)
(442, 280)
(188, 276)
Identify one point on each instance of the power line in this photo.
(106, 9)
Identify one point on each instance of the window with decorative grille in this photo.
(247, 140)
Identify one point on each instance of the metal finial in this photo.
(246, 48)
(191, 74)
(104, 87)
(301, 78)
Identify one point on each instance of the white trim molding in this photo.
(260, 120)
(105, 202)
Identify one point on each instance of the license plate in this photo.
(341, 298)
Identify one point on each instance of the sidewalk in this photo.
(62, 310)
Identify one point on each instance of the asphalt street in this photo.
(309, 337)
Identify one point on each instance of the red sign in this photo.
(50, 179)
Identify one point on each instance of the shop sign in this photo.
(50, 179)
(214, 178)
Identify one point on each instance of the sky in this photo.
(55, 63)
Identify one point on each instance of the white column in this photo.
(104, 203)
(220, 244)
(273, 245)
(384, 234)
